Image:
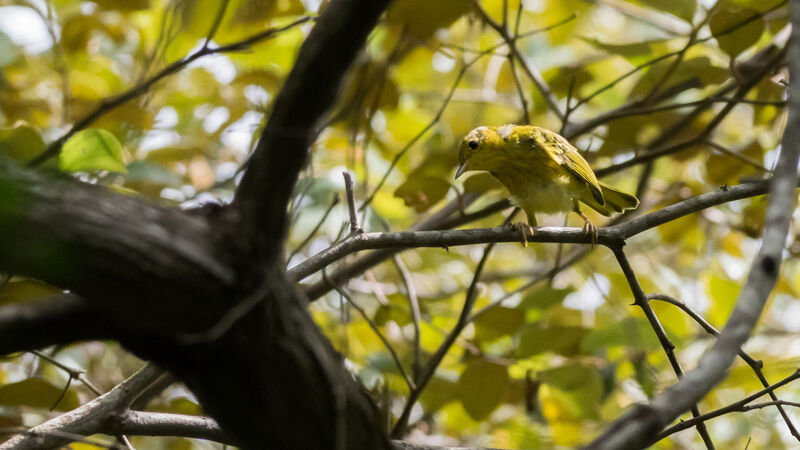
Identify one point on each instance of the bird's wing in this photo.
(564, 154)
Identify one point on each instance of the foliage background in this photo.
(562, 355)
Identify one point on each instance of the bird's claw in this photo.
(524, 229)
(590, 231)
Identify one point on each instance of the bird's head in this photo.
(480, 146)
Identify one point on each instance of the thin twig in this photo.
(113, 102)
(377, 331)
(413, 306)
(301, 246)
(422, 132)
(754, 364)
(433, 363)
(532, 73)
(355, 228)
(640, 299)
(733, 407)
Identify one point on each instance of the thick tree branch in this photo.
(308, 93)
(57, 320)
(103, 245)
(635, 429)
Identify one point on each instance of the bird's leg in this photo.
(525, 228)
(588, 227)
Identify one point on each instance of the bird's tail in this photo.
(616, 201)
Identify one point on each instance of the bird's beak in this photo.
(461, 169)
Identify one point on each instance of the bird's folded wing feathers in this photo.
(563, 153)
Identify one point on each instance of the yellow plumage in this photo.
(542, 171)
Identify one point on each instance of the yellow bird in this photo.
(542, 171)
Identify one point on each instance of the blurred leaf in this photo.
(21, 142)
(695, 73)
(723, 293)
(498, 321)
(629, 332)
(91, 149)
(9, 52)
(77, 30)
(125, 6)
(37, 392)
(143, 171)
(753, 217)
(561, 78)
(25, 289)
(537, 338)
(437, 393)
(645, 374)
(578, 389)
(481, 182)
(482, 387)
(723, 21)
(177, 405)
(635, 52)
(420, 18)
(678, 8)
(545, 297)
(425, 185)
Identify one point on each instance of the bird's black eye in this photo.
(472, 144)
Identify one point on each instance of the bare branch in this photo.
(608, 236)
(101, 245)
(669, 348)
(753, 363)
(88, 418)
(634, 430)
(306, 96)
(57, 320)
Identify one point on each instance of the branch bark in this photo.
(635, 429)
(300, 106)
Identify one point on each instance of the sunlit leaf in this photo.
(92, 149)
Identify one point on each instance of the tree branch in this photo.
(608, 236)
(88, 418)
(56, 320)
(635, 430)
(308, 93)
(102, 245)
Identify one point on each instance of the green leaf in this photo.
(581, 386)
(545, 298)
(678, 8)
(437, 393)
(92, 149)
(37, 393)
(630, 332)
(481, 182)
(481, 388)
(723, 293)
(21, 142)
(693, 73)
(498, 321)
(736, 29)
(536, 338)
